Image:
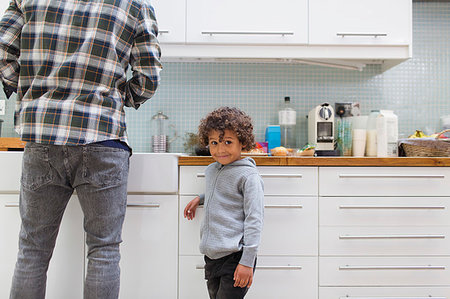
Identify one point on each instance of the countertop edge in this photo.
(329, 161)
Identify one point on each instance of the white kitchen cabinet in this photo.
(385, 293)
(149, 250)
(66, 267)
(384, 232)
(171, 17)
(384, 271)
(287, 257)
(384, 181)
(247, 22)
(360, 22)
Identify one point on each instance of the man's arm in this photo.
(145, 60)
(10, 30)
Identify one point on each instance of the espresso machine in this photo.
(321, 128)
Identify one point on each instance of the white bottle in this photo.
(371, 140)
(287, 119)
(387, 134)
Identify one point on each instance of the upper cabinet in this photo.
(247, 21)
(360, 22)
(338, 33)
(171, 17)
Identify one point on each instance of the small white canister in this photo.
(387, 134)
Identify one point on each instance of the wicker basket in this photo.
(426, 147)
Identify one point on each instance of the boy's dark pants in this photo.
(219, 274)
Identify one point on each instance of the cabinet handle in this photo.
(201, 267)
(429, 267)
(394, 176)
(266, 175)
(163, 31)
(142, 205)
(409, 297)
(12, 205)
(279, 267)
(247, 33)
(284, 206)
(344, 34)
(393, 207)
(280, 175)
(393, 237)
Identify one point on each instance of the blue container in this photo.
(273, 137)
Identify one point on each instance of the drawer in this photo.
(384, 271)
(384, 211)
(384, 293)
(275, 277)
(385, 240)
(384, 181)
(10, 179)
(300, 181)
(290, 227)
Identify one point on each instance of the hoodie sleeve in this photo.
(254, 215)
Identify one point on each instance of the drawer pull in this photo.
(344, 34)
(409, 297)
(247, 33)
(163, 31)
(394, 237)
(394, 176)
(283, 206)
(279, 267)
(201, 267)
(393, 207)
(429, 267)
(142, 205)
(267, 175)
(12, 205)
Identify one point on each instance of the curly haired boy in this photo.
(234, 204)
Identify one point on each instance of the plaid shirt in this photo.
(67, 60)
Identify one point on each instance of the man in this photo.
(67, 61)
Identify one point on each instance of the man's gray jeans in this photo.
(50, 174)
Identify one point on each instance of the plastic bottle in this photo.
(371, 140)
(287, 118)
(387, 134)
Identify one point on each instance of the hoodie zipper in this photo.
(209, 201)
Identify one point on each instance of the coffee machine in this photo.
(321, 127)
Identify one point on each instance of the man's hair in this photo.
(228, 118)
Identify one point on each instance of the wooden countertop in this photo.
(11, 144)
(327, 161)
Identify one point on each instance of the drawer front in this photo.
(384, 181)
(300, 181)
(364, 241)
(384, 293)
(384, 211)
(297, 215)
(275, 277)
(384, 271)
(284, 277)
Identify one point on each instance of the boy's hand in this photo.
(191, 207)
(243, 276)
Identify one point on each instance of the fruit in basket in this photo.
(418, 134)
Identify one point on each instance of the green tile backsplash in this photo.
(418, 90)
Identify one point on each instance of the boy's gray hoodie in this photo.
(234, 210)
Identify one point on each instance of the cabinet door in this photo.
(149, 249)
(384, 271)
(67, 264)
(296, 215)
(247, 21)
(360, 22)
(171, 18)
(275, 277)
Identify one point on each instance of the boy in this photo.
(232, 224)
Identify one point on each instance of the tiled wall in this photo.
(418, 90)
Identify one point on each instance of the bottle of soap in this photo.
(287, 119)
